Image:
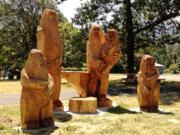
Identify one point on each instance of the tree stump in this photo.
(83, 105)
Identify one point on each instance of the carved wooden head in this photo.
(147, 65)
(96, 33)
(112, 36)
(35, 65)
(49, 20)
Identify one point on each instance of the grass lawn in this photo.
(116, 121)
(14, 87)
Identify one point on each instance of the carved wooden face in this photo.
(147, 65)
(35, 65)
(96, 33)
(111, 35)
(49, 19)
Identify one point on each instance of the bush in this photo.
(174, 68)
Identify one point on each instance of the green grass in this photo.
(14, 86)
(119, 120)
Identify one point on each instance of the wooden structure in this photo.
(49, 42)
(102, 53)
(148, 85)
(78, 80)
(83, 105)
(36, 103)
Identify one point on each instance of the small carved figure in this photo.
(49, 42)
(36, 103)
(148, 85)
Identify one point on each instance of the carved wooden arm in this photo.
(27, 81)
(144, 90)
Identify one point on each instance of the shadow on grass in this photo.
(120, 86)
(62, 117)
(117, 87)
(120, 110)
(169, 98)
(43, 131)
(170, 86)
(165, 113)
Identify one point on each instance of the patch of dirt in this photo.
(10, 121)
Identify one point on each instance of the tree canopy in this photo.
(19, 21)
(140, 23)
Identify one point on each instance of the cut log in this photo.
(83, 105)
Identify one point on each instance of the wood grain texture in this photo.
(78, 80)
(101, 56)
(148, 85)
(36, 103)
(49, 42)
(83, 105)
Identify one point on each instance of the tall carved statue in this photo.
(49, 42)
(110, 54)
(36, 103)
(94, 61)
(148, 85)
(102, 54)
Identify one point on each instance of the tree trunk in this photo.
(130, 37)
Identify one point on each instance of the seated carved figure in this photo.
(36, 103)
(148, 86)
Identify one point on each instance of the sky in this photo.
(68, 8)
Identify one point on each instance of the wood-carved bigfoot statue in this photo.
(148, 85)
(110, 53)
(94, 62)
(36, 97)
(98, 65)
(49, 42)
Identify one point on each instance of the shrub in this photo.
(174, 68)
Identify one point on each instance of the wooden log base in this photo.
(83, 104)
(104, 102)
(149, 109)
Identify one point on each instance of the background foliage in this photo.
(144, 27)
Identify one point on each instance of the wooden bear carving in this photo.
(36, 103)
(49, 42)
(148, 85)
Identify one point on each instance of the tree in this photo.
(141, 23)
(74, 44)
(19, 20)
